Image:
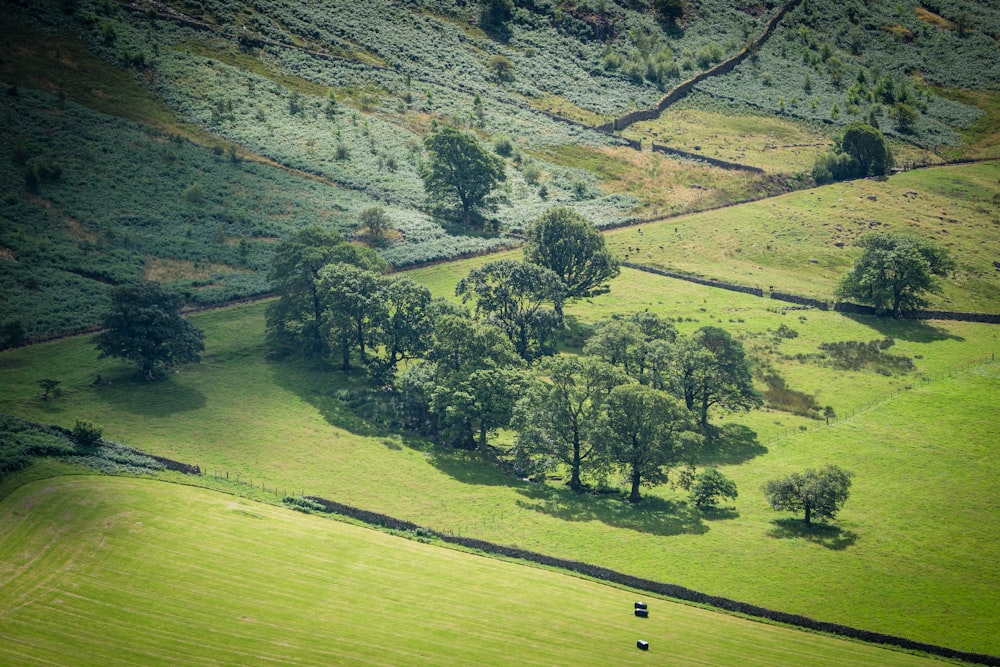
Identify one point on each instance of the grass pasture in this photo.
(292, 426)
(169, 574)
(802, 242)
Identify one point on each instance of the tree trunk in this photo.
(345, 351)
(808, 515)
(574, 480)
(482, 440)
(634, 496)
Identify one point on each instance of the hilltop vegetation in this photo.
(246, 122)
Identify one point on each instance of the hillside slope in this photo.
(246, 121)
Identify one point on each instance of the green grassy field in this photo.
(168, 574)
(894, 564)
(790, 241)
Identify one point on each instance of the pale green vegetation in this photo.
(229, 581)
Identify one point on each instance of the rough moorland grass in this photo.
(777, 145)
(790, 242)
(285, 425)
(664, 186)
(166, 574)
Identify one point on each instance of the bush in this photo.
(710, 486)
(87, 434)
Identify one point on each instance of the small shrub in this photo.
(709, 487)
(194, 194)
(303, 504)
(87, 434)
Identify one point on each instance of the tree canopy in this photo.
(461, 171)
(570, 246)
(298, 319)
(868, 147)
(524, 300)
(819, 493)
(711, 369)
(144, 326)
(645, 431)
(556, 416)
(894, 271)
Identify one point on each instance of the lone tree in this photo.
(461, 171)
(894, 271)
(376, 222)
(819, 493)
(868, 147)
(669, 10)
(143, 326)
(569, 245)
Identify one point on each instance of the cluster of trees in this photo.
(637, 400)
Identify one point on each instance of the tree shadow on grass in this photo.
(655, 516)
(158, 398)
(468, 467)
(830, 537)
(730, 444)
(720, 513)
(914, 331)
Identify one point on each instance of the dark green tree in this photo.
(710, 486)
(866, 145)
(571, 247)
(461, 171)
(462, 345)
(354, 308)
(669, 10)
(297, 320)
(144, 326)
(894, 271)
(476, 404)
(711, 370)
(494, 15)
(635, 343)
(555, 417)
(646, 432)
(818, 493)
(405, 327)
(447, 395)
(619, 342)
(524, 300)
(49, 387)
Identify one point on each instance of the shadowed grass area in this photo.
(167, 574)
